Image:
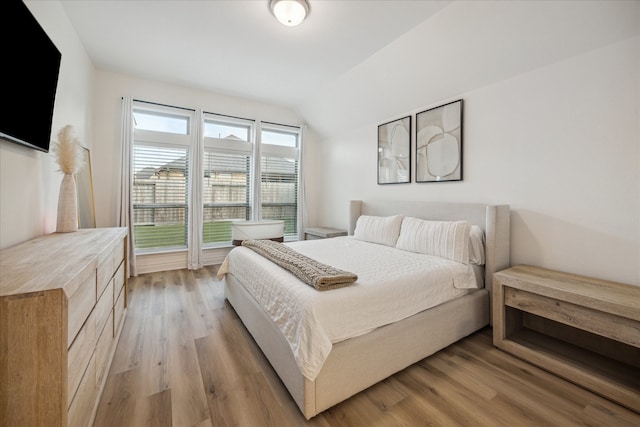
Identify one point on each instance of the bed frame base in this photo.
(358, 363)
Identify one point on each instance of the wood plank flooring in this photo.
(185, 359)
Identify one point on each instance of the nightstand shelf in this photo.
(582, 329)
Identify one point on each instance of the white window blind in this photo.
(279, 170)
(228, 150)
(159, 195)
(226, 193)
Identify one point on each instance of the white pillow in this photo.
(447, 239)
(476, 245)
(378, 229)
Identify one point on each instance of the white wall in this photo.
(29, 179)
(557, 138)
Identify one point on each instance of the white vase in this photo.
(67, 205)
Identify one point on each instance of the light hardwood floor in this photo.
(185, 359)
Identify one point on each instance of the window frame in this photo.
(274, 150)
(161, 139)
(231, 146)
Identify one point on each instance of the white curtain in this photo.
(196, 176)
(302, 199)
(126, 208)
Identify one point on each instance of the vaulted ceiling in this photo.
(237, 47)
(351, 62)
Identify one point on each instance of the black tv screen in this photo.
(29, 77)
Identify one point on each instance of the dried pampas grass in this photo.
(68, 151)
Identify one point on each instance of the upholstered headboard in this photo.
(493, 219)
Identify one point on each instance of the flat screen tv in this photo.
(29, 77)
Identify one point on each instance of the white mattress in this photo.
(392, 285)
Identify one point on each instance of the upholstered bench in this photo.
(265, 229)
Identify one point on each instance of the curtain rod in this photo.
(216, 114)
(280, 124)
(227, 115)
(161, 105)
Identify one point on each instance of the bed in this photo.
(322, 352)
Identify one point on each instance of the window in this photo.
(233, 131)
(161, 122)
(227, 176)
(279, 176)
(160, 178)
(240, 179)
(225, 194)
(283, 138)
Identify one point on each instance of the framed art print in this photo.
(394, 152)
(439, 143)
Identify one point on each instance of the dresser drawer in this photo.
(105, 273)
(79, 414)
(118, 255)
(104, 308)
(108, 267)
(80, 305)
(103, 349)
(118, 281)
(118, 311)
(79, 355)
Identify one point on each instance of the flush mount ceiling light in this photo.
(289, 12)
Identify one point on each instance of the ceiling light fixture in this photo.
(289, 12)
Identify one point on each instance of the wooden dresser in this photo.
(581, 328)
(62, 306)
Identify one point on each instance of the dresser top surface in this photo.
(54, 261)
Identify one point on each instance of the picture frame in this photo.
(394, 151)
(439, 143)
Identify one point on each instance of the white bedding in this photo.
(392, 285)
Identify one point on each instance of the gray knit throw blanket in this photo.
(321, 276)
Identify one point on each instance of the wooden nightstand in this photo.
(322, 233)
(583, 329)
